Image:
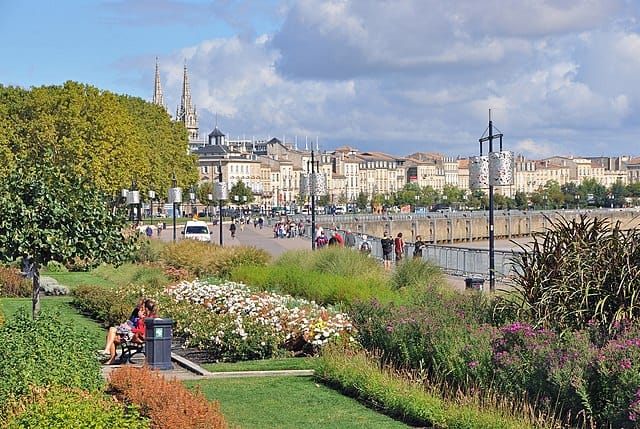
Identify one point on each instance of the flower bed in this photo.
(234, 323)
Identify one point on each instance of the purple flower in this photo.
(473, 364)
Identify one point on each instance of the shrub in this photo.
(206, 259)
(12, 284)
(111, 306)
(166, 402)
(44, 352)
(440, 340)
(148, 250)
(61, 408)
(233, 323)
(416, 276)
(56, 267)
(578, 272)
(360, 376)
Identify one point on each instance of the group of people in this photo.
(288, 229)
(133, 330)
(396, 246)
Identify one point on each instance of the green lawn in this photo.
(261, 365)
(73, 279)
(289, 403)
(62, 305)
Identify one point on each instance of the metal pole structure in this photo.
(220, 200)
(492, 263)
(312, 193)
(175, 185)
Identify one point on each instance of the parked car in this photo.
(197, 230)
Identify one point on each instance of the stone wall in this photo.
(460, 227)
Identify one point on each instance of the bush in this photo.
(206, 259)
(166, 402)
(44, 352)
(62, 408)
(13, 285)
(416, 276)
(148, 250)
(56, 267)
(578, 272)
(360, 376)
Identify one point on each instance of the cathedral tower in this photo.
(157, 88)
(187, 112)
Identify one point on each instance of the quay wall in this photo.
(458, 227)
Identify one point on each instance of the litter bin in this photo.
(158, 343)
(474, 283)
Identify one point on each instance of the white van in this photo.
(197, 230)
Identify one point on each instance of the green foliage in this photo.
(12, 284)
(97, 134)
(111, 307)
(360, 376)
(206, 259)
(579, 272)
(50, 214)
(63, 408)
(148, 250)
(56, 267)
(416, 275)
(44, 352)
(260, 402)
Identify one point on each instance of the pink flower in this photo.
(473, 364)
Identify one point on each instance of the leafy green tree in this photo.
(98, 134)
(362, 201)
(243, 192)
(50, 214)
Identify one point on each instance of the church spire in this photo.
(187, 112)
(157, 88)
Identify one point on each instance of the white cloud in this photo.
(422, 75)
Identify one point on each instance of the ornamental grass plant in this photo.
(207, 259)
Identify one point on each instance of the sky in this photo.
(557, 77)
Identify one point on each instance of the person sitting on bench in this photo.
(131, 331)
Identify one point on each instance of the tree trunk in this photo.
(36, 291)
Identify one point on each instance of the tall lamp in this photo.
(220, 193)
(494, 169)
(313, 184)
(175, 198)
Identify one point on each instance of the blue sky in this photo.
(560, 76)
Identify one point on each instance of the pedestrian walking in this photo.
(387, 250)
(399, 247)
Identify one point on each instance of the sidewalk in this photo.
(184, 369)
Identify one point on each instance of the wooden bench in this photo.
(132, 352)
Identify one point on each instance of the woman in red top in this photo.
(399, 247)
(131, 331)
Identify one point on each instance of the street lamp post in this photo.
(175, 198)
(577, 197)
(152, 196)
(611, 199)
(489, 171)
(544, 204)
(192, 199)
(415, 207)
(221, 195)
(210, 201)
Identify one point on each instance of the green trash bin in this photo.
(158, 343)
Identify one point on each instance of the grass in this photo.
(262, 365)
(107, 276)
(289, 402)
(73, 279)
(62, 305)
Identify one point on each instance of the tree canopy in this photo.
(110, 138)
(49, 214)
